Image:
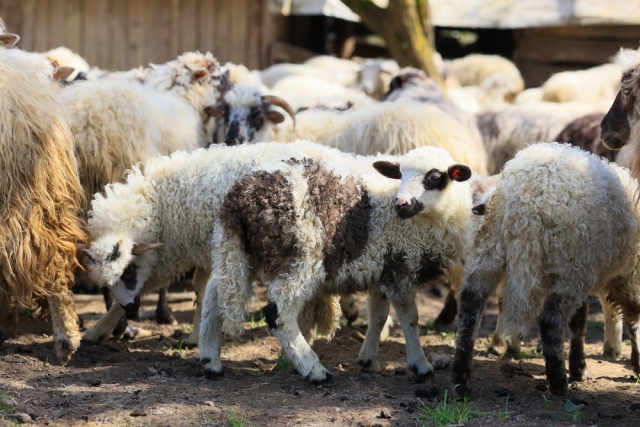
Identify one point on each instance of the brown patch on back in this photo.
(430, 268)
(584, 133)
(345, 212)
(259, 207)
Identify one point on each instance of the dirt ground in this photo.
(147, 382)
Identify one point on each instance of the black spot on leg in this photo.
(164, 314)
(449, 311)
(365, 363)
(551, 328)
(271, 315)
(578, 328)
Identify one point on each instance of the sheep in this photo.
(41, 197)
(584, 132)
(529, 96)
(306, 91)
(474, 69)
(172, 200)
(271, 75)
(48, 72)
(596, 86)
(331, 63)
(65, 57)
(362, 240)
(507, 130)
(389, 128)
(240, 75)
(562, 223)
(7, 40)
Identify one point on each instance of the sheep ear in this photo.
(141, 247)
(214, 110)
(9, 40)
(275, 117)
(197, 75)
(62, 73)
(388, 169)
(459, 172)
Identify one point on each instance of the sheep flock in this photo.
(321, 180)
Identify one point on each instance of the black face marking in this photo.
(615, 129)
(115, 254)
(256, 118)
(409, 210)
(435, 180)
(129, 276)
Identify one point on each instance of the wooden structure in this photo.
(123, 34)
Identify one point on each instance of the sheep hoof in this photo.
(498, 349)
(369, 366)
(165, 317)
(213, 375)
(612, 353)
(461, 388)
(559, 389)
(579, 376)
(327, 377)
(422, 374)
(62, 351)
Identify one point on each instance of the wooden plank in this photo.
(240, 31)
(74, 22)
(119, 18)
(90, 32)
(285, 52)
(267, 36)
(555, 50)
(12, 13)
(58, 23)
(42, 30)
(599, 32)
(152, 30)
(104, 43)
(176, 29)
(164, 48)
(252, 50)
(190, 24)
(206, 40)
(224, 31)
(136, 45)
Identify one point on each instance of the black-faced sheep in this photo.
(561, 224)
(377, 235)
(40, 198)
(584, 132)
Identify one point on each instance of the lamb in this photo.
(389, 128)
(307, 92)
(172, 200)
(596, 86)
(271, 75)
(65, 57)
(40, 202)
(540, 229)
(473, 70)
(584, 132)
(379, 235)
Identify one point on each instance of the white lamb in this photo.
(312, 227)
(562, 224)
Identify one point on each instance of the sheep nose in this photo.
(401, 202)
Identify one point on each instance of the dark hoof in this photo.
(579, 376)
(165, 317)
(461, 388)
(421, 376)
(326, 379)
(213, 375)
(3, 337)
(365, 363)
(558, 389)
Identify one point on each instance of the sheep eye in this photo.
(129, 273)
(257, 120)
(435, 178)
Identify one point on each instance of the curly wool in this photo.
(40, 194)
(560, 221)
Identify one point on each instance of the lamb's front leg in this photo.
(578, 328)
(407, 312)
(612, 330)
(378, 305)
(105, 325)
(66, 335)
(282, 318)
(210, 335)
(200, 280)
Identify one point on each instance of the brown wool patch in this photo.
(345, 212)
(584, 132)
(430, 269)
(259, 207)
(395, 270)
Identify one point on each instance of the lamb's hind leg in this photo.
(552, 323)
(200, 280)
(407, 312)
(8, 317)
(66, 335)
(164, 314)
(612, 330)
(105, 325)
(210, 335)
(578, 328)
(378, 305)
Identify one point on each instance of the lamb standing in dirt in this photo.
(40, 197)
(562, 224)
(379, 235)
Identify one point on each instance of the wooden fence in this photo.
(123, 34)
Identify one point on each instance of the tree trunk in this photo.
(406, 27)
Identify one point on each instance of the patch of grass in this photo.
(208, 421)
(7, 404)
(448, 412)
(283, 364)
(237, 420)
(257, 322)
(595, 324)
(284, 403)
(531, 354)
(449, 335)
(503, 414)
(555, 416)
(637, 377)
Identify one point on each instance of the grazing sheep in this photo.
(596, 86)
(389, 128)
(584, 132)
(562, 224)
(475, 69)
(40, 203)
(379, 235)
(159, 224)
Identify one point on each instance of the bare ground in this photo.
(148, 383)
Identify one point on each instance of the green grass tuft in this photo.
(283, 364)
(237, 420)
(448, 412)
(555, 416)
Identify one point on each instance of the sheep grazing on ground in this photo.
(475, 69)
(159, 224)
(507, 130)
(584, 132)
(377, 235)
(595, 86)
(40, 204)
(389, 128)
(562, 223)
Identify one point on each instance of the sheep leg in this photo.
(104, 326)
(612, 330)
(407, 312)
(200, 279)
(282, 316)
(578, 328)
(123, 323)
(378, 306)
(450, 310)
(552, 323)
(349, 310)
(210, 335)
(66, 335)
(164, 314)
(8, 318)
(473, 295)
(631, 316)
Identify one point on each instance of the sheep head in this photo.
(245, 115)
(9, 40)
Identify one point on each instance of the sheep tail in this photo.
(231, 263)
